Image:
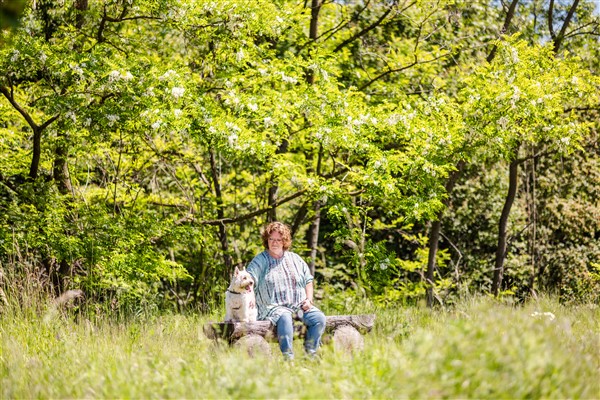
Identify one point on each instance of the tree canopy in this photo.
(145, 142)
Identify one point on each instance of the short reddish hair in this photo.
(286, 234)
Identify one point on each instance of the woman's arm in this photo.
(308, 303)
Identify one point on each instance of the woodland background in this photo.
(420, 150)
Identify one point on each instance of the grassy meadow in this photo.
(480, 349)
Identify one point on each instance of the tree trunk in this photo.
(313, 238)
(60, 170)
(272, 197)
(434, 234)
(315, 8)
(37, 151)
(220, 213)
(313, 234)
(434, 238)
(501, 250)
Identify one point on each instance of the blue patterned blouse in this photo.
(279, 283)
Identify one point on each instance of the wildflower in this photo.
(547, 315)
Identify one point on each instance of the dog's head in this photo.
(242, 281)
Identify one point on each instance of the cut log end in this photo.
(348, 340)
(253, 345)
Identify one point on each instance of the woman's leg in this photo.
(285, 335)
(315, 321)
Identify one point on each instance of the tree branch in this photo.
(509, 16)
(10, 97)
(366, 30)
(223, 221)
(400, 69)
(551, 20)
(561, 35)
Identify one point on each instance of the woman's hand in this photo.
(306, 305)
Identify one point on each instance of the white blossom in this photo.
(232, 126)
(177, 112)
(167, 75)
(516, 95)
(268, 121)
(112, 118)
(502, 122)
(71, 115)
(239, 56)
(253, 106)
(393, 119)
(15, 56)
(156, 125)
(232, 139)
(288, 79)
(77, 69)
(114, 76)
(177, 92)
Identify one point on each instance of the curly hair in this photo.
(286, 234)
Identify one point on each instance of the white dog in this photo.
(240, 302)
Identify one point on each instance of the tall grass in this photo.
(479, 349)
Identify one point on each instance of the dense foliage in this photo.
(143, 143)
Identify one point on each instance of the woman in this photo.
(283, 287)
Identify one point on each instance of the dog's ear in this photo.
(236, 272)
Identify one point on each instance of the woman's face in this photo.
(276, 243)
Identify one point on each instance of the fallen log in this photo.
(345, 331)
(232, 331)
